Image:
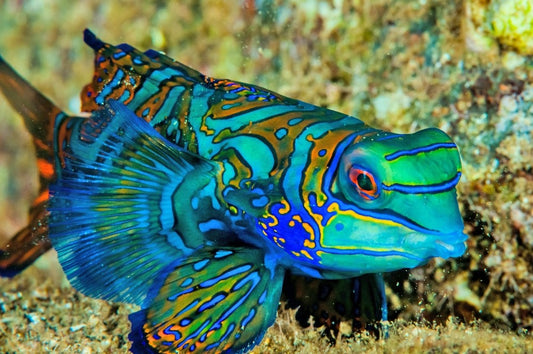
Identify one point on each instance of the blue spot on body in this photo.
(222, 253)
(106, 91)
(226, 275)
(260, 202)
(212, 224)
(194, 203)
(185, 322)
(322, 152)
(189, 307)
(186, 282)
(125, 95)
(171, 332)
(238, 89)
(339, 227)
(230, 329)
(145, 112)
(294, 121)
(211, 346)
(262, 298)
(212, 302)
(119, 55)
(281, 133)
(248, 318)
(198, 266)
(230, 106)
(174, 297)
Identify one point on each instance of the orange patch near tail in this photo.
(46, 169)
(43, 197)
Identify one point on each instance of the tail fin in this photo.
(40, 116)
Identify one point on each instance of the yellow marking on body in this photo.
(334, 208)
(309, 244)
(309, 230)
(321, 199)
(305, 253)
(279, 241)
(295, 253)
(274, 221)
(286, 207)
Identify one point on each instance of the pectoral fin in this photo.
(112, 208)
(220, 300)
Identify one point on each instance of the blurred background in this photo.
(465, 67)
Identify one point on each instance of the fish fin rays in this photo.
(217, 300)
(112, 219)
(128, 74)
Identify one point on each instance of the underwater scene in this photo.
(269, 176)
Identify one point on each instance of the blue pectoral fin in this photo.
(219, 300)
(112, 217)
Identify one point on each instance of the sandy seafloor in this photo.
(462, 66)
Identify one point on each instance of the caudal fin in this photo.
(40, 116)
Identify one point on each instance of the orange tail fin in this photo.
(40, 116)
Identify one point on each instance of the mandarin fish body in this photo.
(191, 197)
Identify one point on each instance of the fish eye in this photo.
(364, 182)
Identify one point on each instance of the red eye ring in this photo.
(365, 182)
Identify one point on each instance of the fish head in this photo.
(393, 203)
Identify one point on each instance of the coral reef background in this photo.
(463, 66)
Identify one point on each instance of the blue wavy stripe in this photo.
(418, 150)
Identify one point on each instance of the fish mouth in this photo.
(441, 245)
